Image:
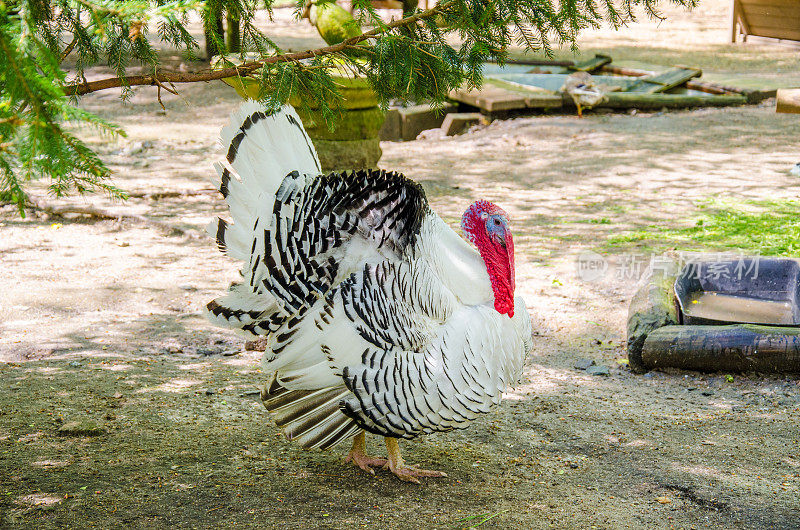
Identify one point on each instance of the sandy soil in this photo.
(121, 407)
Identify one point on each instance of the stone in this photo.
(84, 427)
(418, 118)
(348, 154)
(391, 130)
(357, 124)
(431, 134)
(597, 370)
(583, 364)
(458, 122)
(652, 307)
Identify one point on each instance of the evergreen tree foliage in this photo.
(412, 59)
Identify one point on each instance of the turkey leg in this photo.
(406, 473)
(358, 455)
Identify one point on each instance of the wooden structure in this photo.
(638, 89)
(777, 19)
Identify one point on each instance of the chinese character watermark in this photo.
(592, 267)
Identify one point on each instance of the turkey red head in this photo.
(486, 226)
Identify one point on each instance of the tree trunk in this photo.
(738, 348)
(233, 37)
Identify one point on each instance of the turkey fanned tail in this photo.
(292, 232)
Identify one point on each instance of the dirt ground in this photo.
(120, 406)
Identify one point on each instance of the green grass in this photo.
(767, 228)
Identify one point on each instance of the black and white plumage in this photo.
(378, 316)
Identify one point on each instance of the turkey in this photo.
(378, 318)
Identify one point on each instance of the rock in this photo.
(75, 364)
(707, 392)
(597, 370)
(256, 345)
(133, 149)
(418, 118)
(583, 364)
(652, 307)
(391, 130)
(206, 351)
(85, 427)
(356, 124)
(187, 287)
(348, 154)
(458, 122)
(431, 134)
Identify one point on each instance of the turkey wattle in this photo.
(378, 316)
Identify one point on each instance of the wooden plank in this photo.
(758, 11)
(498, 95)
(664, 81)
(592, 64)
(490, 99)
(775, 33)
(774, 22)
(770, 3)
(788, 100)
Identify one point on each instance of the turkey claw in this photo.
(365, 462)
(410, 473)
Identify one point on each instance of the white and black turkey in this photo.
(378, 316)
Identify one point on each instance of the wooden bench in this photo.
(777, 19)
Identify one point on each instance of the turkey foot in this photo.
(358, 456)
(406, 473)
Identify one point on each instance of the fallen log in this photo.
(788, 100)
(736, 348)
(628, 100)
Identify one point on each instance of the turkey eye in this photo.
(497, 222)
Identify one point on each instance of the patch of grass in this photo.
(767, 228)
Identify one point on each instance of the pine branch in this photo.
(157, 78)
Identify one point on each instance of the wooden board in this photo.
(788, 100)
(490, 99)
(592, 64)
(498, 96)
(665, 80)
